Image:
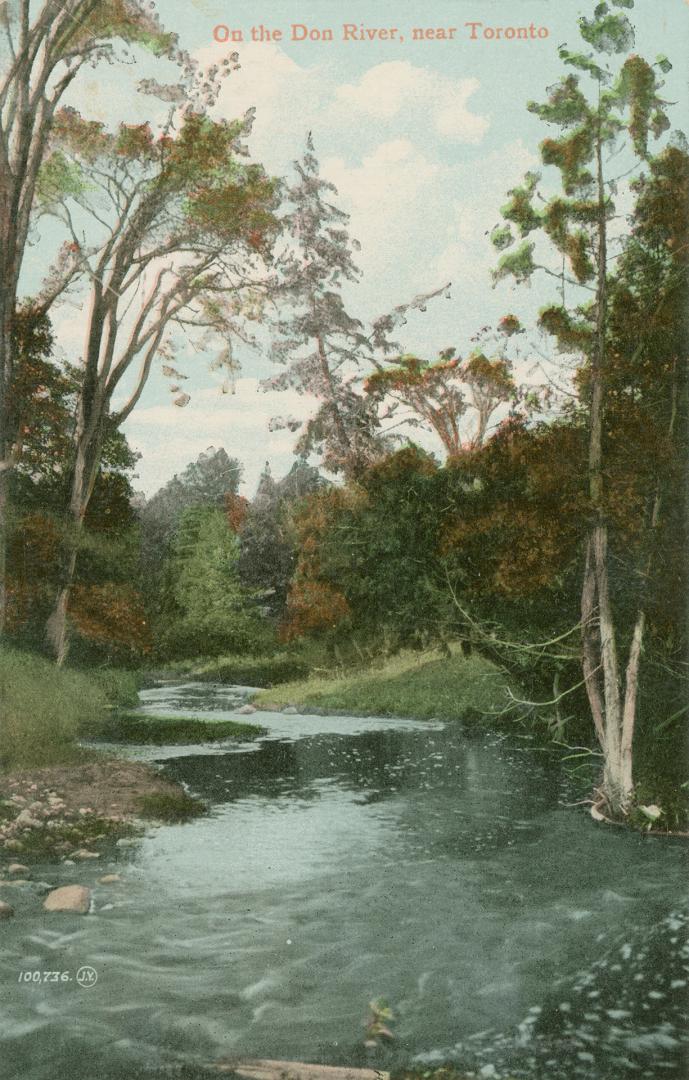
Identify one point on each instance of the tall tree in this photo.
(622, 112)
(43, 47)
(180, 222)
(325, 350)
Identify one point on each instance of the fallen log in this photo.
(262, 1069)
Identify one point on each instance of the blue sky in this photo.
(422, 139)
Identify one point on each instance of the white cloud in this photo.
(396, 90)
(169, 438)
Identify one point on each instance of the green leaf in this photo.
(623, 3)
(518, 264)
(609, 34)
(501, 237)
(663, 63)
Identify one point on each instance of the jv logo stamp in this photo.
(87, 976)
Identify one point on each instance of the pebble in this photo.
(75, 898)
(27, 820)
(109, 879)
(84, 854)
(6, 911)
(68, 862)
(126, 841)
(17, 868)
(246, 710)
(14, 845)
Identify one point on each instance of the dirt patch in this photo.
(62, 808)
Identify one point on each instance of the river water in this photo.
(347, 859)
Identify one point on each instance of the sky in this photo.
(421, 138)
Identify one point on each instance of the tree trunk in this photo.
(83, 480)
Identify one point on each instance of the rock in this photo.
(75, 898)
(246, 710)
(27, 821)
(290, 711)
(14, 845)
(84, 854)
(109, 879)
(6, 911)
(68, 862)
(36, 806)
(126, 842)
(15, 884)
(17, 868)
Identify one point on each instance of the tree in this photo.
(268, 541)
(105, 609)
(205, 609)
(43, 47)
(208, 481)
(180, 221)
(323, 348)
(622, 113)
(444, 394)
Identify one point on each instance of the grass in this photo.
(250, 670)
(121, 687)
(412, 684)
(160, 806)
(134, 727)
(43, 709)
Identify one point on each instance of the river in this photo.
(346, 859)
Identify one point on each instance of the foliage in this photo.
(204, 608)
(208, 481)
(601, 114)
(441, 395)
(267, 534)
(324, 350)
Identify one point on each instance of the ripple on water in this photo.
(349, 858)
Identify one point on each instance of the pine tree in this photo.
(619, 115)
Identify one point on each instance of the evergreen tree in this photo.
(603, 116)
(326, 351)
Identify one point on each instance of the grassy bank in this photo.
(251, 670)
(43, 709)
(169, 730)
(421, 685)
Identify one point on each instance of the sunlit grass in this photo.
(411, 684)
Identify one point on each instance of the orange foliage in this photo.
(312, 607)
(110, 614)
(236, 509)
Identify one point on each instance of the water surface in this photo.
(345, 859)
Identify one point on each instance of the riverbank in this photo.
(421, 685)
(57, 797)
